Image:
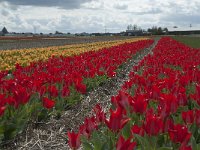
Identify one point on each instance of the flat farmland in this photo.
(38, 42)
(192, 41)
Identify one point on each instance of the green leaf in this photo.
(161, 140)
(87, 146)
(102, 141)
(106, 146)
(126, 132)
(85, 143)
(142, 140)
(165, 148)
(194, 144)
(1, 129)
(10, 131)
(1, 132)
(198, 147)
(43, 115)
(96, 140)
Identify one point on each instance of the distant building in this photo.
(82, 34)
(134, 32)
(186, 32)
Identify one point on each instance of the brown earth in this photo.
(37, 42)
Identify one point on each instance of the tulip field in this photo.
(157, 108)
(9, 58)
(47, 87)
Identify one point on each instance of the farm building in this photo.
(134, 32)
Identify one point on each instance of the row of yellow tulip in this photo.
(9, 58)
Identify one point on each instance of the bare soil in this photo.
(9, 43)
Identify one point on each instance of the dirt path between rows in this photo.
(51, 135)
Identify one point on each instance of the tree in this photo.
(135, 27)
(158, 30)
(129, 27)
(165, 30)
(132, 27)
(57, 32)
(4, 30)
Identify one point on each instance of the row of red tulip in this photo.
(158, 108)
(43, 87)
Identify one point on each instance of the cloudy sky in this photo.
(94, 15)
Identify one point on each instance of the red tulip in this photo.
(182, 97)
(179, 134)
(100, 115)
(183, 147)
(155, 92)
(47, 103)
(135, 129)
(88, 127)
(196, 96)
(168, 124)
(114, 101)
(84, 131)
(139, 104)
(81, 88)
(65, 91)
(123, 144)
(153, 125)
(184, 80)
(122, 100)
(11, 101)
(90, 124)
(53, 91)
(3, 100)
(168, 104)
(197, 117)
(188, 116)
(42, 90)
(21, 96)
(127, 85)
(111, 74)
(2, 109)
(116, 121)
(198, 89)
(74, 140)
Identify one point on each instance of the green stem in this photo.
(153, 142)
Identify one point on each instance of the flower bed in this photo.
(41, 89)
(158, 108)
(24, 57)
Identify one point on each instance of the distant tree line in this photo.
(154, 30)
(157, 30)
(133, 27)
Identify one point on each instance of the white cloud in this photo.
(121, 6)
(66, 4)
(94, 15)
